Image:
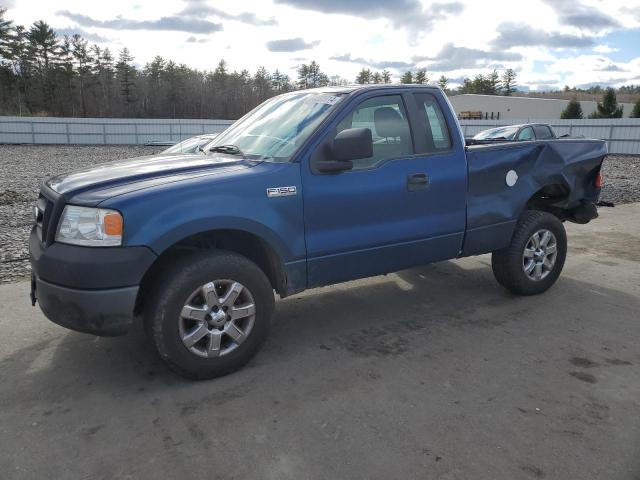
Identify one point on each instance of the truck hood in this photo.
(132, 172)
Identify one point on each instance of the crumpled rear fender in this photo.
(493, 207)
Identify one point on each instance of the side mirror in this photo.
(348, 145)
(352, 144)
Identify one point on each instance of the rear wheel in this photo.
(209, 314)
(535, 257)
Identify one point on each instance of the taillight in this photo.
(599, 181)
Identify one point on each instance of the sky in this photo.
(550, 43)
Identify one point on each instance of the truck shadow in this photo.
(375, 317)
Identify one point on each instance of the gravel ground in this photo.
(22, 169)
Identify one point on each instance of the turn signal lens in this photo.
(113, 224)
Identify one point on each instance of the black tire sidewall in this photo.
(181, 280)
(516, 279)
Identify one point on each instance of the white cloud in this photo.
(604, 49)
(343, 39)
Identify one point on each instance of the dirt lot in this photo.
(433, 372)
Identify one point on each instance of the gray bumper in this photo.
(106, 312)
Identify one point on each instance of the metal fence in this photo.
(622, 135)
(105, 131)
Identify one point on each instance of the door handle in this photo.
(417, 181)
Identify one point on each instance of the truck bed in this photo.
(561, 171)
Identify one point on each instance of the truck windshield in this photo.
(276, 128)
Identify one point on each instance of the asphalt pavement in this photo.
(434, 372)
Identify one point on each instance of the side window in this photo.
(386, 117)
(526, 134)
(437, 133)
(543, 132)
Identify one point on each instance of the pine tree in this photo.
(45, 48)
(310, 76)
(573, 110)
(407, 77)
(609, 107)
(386, 76)
(421, 77)
(508, 82)
(83, 68)
(376, 77)
(126, 73)
(364, 76)
(443, 83)
(495, 85)
(5, 34)
(635, 113)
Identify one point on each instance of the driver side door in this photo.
(386, 213)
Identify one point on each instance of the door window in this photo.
(437, 133)
(526, 134)
(386, 117)
(543, 132)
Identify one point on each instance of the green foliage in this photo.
(41, 73)
(421, 77)
(407, 77)
(572, 110)
(5, 33)
(508, 82)
(635, 113)
(443, 83)
(608, 108)
(364, 76)
(492, 84)
(310, 76)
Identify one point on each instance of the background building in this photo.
(495, 106)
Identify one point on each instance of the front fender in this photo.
(161, 216)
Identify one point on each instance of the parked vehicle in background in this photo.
(191, 145)
(311, 188)
(514, 133)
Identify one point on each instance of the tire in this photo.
(218, 342)
(513, 267)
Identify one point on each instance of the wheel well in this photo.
(548, 199)
(244, 243)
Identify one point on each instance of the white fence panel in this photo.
(621, 134)
(106, 131)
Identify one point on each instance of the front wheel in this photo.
(532, 262)
(209, 314)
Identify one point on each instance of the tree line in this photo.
(607, 108)
(42, 73)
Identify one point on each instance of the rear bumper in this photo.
(583, 214)
(105, 312)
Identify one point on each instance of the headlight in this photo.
(92, 227)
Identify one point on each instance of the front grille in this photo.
(39, 213)
(46, 214)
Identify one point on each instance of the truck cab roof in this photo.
(348, 89)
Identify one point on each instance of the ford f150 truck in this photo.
(310, 188)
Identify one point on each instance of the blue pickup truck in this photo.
(310, 188)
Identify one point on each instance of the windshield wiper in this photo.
(229, 149)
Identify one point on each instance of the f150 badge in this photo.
(281, 191)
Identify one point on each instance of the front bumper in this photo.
(88, 289)
(107, 312)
